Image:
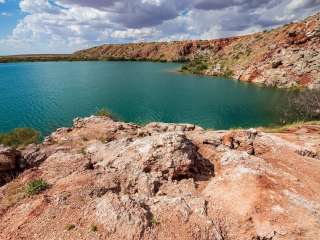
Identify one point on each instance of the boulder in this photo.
(240, 140)
(10, 159)
(11, 163)
(33, 155)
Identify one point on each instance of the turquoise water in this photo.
(49, 95)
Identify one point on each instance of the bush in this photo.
(228, 73)
(184, 68)
(201, 66)
(20, 137)
(103, 112)
(154, 221)
(304, 106)
(36, 186)
(69, 227)
(93, 228)
(197, 66)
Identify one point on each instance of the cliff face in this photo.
(113, 180)
(178, 51)
(284, 57)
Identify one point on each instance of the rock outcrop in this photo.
(176, 51)
(114, 180)
(284, 57)
(11, 163)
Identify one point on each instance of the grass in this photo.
(286, 127)
(280, 128)
(20, 137)
(36, 186)
(236, 129)
(14, 193)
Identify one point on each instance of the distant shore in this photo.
(38, 58)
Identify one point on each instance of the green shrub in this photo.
(20, 137)
(196, 66)
(228, 73)
(83, 151)
(201, 66)
(36, 186)
(69, 227)
(93, 228)
(184, 68)
(103, 112)
(154, 221)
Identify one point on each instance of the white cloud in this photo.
(2, 1)
(137, 34)
(152, 2)
(68, 25)
(35, 6)
(296, 4)
(6, 14)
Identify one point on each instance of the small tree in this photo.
(103, 112)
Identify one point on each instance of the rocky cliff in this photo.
(178, 51)
(284, 57)
(112, 180)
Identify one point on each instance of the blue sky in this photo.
(10, 14)
(64, 26)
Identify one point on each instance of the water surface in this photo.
(49, 95)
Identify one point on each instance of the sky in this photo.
(64, 26)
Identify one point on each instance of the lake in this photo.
(46, 96)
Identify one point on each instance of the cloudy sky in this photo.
(58, 26)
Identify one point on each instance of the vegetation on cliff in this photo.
(20, 137)
(103, 112)
(36, 186)
(197, 66)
